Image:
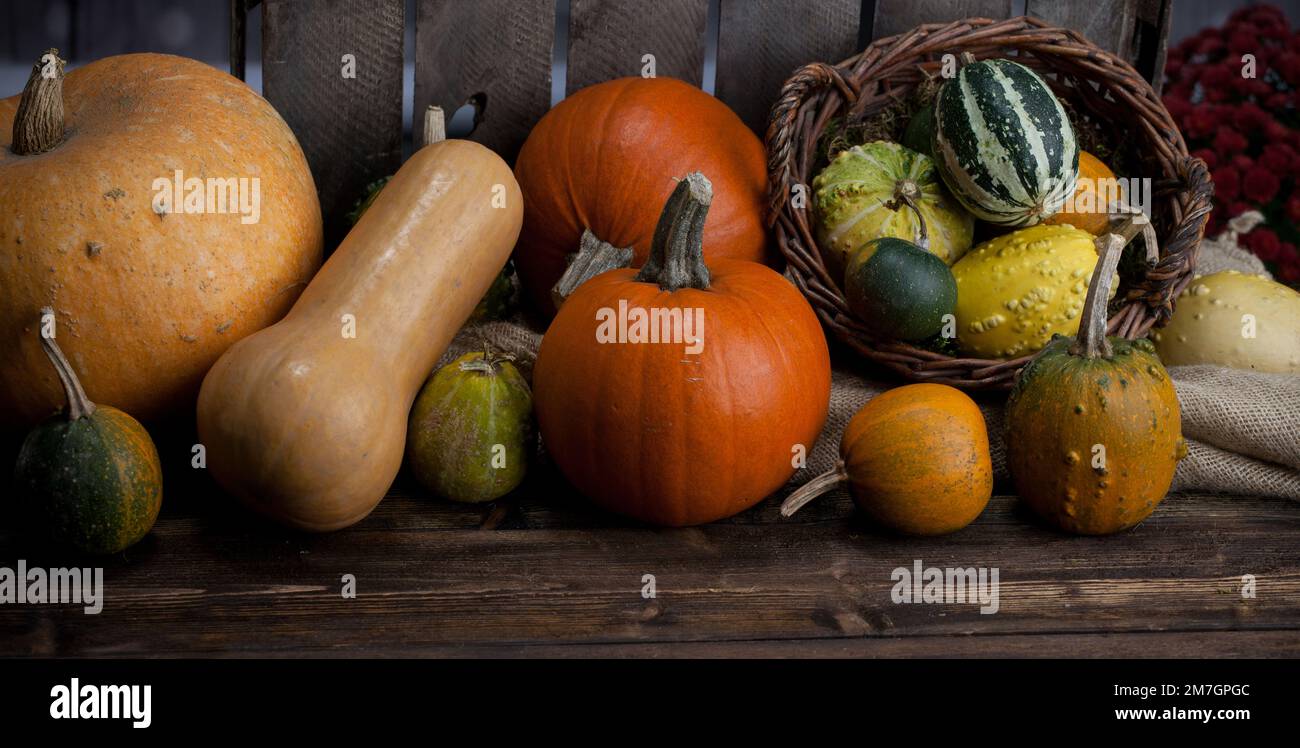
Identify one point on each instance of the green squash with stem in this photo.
(471, 432)
(1093, 427)
(88, 478)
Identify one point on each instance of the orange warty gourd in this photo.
(916, 460)
(148, 295)
(305, 421)
(606, 158)
(1097, 222)
(1093, 426)
(705, 423)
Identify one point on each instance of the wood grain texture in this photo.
(559, 578)
(499, 49)
(897, 16)
(1155, 21)
(607, 39)
(1110, 24)
(759, 47)
(349, 128)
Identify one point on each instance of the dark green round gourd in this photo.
(471, 430)
(898, 290)
(88, 478)
(919, 135)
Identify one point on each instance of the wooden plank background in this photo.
(761, 42)
(607, 39)
(350, 129)
(543, 568)
(499, 50)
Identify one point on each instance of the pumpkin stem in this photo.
(435, 125)
(677, 250)
(38, 123)
(490, 360)
(908, 192)
(814, 488)
(593, 258)
(79, 406)
(967, 58)
(1091, 340)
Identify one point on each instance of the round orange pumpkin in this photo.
(685, 428)
(916, 460)
(606, 158)
(148, 296)
(1096, 221)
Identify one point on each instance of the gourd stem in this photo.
(967, 58)
(814, 488)
(677, 250)
(79, 406)
(38, 123)
(593, 258)
(1091, 341)
(907, 192)
(435, 125)
(489, 362)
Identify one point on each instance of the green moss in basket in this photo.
(940, 344)
(889, 122)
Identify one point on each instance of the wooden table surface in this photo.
(544, 574)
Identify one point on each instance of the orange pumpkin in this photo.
(606, 158)
(916, 460)
(1094, 432)
(704, 423)
(1096, 221)
(148, 295)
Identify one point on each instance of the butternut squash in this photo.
(305, 421)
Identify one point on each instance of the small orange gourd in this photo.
(1093, 427)
(916, 459)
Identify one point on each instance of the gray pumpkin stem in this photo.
(677, 251)
(38, 123)
(79, 406)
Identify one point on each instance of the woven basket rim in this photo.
(817, 91)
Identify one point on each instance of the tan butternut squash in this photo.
(305, 421)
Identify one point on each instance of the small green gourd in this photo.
(471, 430)
(898, 290)
(88, 478)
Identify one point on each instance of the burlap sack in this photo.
(1242, 427)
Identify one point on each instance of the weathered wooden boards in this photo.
(761, 42)
(333, 69)
(557, 577)
(611, 38)
(897, 16)
(501, 50)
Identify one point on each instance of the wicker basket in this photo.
(1097, 84)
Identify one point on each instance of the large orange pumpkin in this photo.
(148, 295)
(606, 158)
(685, 428)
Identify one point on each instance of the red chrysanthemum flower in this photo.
(1260, 185)
(1228, 141)
(1227, 183)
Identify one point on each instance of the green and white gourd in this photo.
(882, 189)
(1003, 143)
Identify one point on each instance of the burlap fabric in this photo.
(1242, 427)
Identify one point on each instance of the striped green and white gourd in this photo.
(1003, 143)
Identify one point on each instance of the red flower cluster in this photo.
(1233, 93)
